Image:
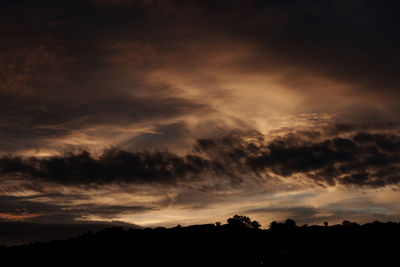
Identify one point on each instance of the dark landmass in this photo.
(241, 242)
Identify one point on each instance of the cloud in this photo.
(31, 210)
(30, 122)
(93, 64)
(112, 166)
(362, 159)
(206, 95)
(105, 211)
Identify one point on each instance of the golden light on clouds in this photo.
(159, 112)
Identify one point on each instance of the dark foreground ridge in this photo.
(241, 242)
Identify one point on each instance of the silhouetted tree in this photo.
(273, 226)
(241, 221)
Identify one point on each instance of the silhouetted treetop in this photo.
(241, 221)
(288, 225)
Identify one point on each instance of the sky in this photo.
(158, 113)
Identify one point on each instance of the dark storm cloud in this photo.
(347, 161)
(112, 166)
(362, 159)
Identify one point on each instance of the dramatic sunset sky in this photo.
(156, 113)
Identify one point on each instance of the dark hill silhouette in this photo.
(239, 242)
